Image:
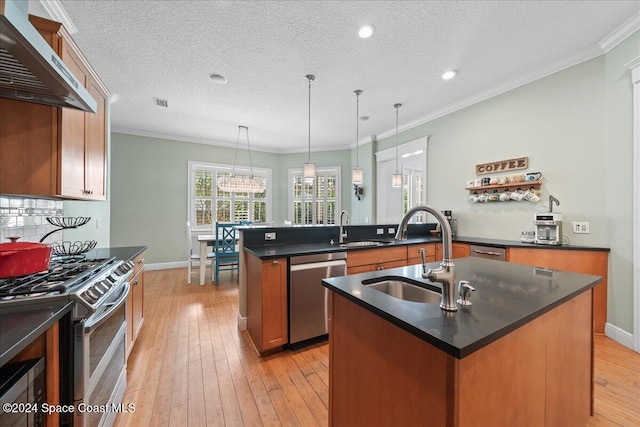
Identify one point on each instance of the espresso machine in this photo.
(548, 228)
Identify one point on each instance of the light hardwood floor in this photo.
(191, 366)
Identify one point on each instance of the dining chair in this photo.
(227, 254)
(195, 256)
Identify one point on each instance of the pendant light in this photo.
(396, 179)
(309, 168)
(242, 184)
(356, 174)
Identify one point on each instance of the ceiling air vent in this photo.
(161, 102)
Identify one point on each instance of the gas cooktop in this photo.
(87, 281)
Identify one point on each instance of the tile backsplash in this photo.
(26, 218)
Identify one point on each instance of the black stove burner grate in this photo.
(64, 273)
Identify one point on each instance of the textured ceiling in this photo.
(167, 49)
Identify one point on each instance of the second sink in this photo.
(405, 291)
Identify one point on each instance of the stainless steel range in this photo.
(96, 372)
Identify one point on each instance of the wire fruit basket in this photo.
(67, 248)
(64, 223)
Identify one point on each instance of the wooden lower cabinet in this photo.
(588, 262)
(135, 303)
(458, 250)
(538, 375)
(376, 259)
(267, 302)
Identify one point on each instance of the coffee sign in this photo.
(503, 166)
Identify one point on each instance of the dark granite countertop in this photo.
(20, 325)
(507, 296)
(289, 250)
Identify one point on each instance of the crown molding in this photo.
(182, 138)
(57, 13)
(621, 33)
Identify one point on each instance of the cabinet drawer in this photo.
(376, 256)
(138, 264)
(376, 267)
(413, 251)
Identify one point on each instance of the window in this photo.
(208, 204)
(316, 202)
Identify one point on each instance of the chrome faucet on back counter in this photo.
(445, 274)
(343, 233)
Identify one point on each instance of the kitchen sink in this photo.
(404, 290)
(364, 243)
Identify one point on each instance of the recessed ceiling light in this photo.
(449, 75)
(217, 78)
(365, 31)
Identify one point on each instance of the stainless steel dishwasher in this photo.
(308, 309)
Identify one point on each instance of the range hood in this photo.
(30, 70)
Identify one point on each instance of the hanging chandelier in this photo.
(396, 179)
(309, 167)
(242, 184)
(356, 174)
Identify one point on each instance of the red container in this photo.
(22, 258)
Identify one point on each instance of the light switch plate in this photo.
(581, 227)
(270, 236)
(380, 231)
(391, 230)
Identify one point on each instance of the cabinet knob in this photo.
(135, 282)
(141, 260)
(380, 268)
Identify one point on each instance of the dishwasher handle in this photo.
(322, 264)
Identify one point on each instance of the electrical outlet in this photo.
(581, 227)
(391, 230)
(380, 231)
(269, 236)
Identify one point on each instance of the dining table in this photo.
(206, 240)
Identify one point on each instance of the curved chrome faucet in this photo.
(343, 233)
(445, 274)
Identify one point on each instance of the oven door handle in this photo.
(113, 306)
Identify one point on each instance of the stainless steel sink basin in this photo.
(405, 291)
(364, 243)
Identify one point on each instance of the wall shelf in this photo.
(523, 185)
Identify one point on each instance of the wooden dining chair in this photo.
(227, 254)
(195, 256)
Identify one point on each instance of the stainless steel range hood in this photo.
(29, 68)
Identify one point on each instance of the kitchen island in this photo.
(520, 355)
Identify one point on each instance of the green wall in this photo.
(574, 125)
(150, 178)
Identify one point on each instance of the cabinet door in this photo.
(275, 328)
(137, 289)
(95, 146)
(460, 250)
(72, 131)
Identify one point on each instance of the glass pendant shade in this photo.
(357, 176)
(396, 180)
(309, 171)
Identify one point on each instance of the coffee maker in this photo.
(452, 222)
(548, 229)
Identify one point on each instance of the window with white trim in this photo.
(208, 204)
(315, 202)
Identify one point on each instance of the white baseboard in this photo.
(165, 265)
(619, 335)
(242, 322)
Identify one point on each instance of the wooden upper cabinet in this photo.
(53, 151)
